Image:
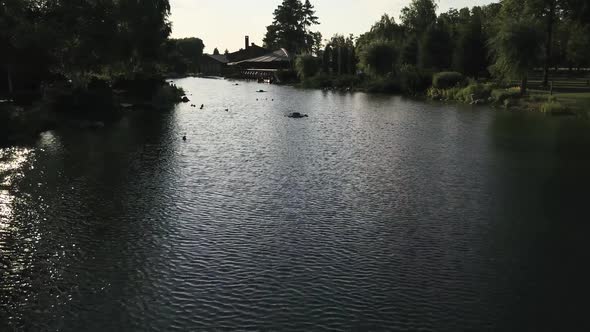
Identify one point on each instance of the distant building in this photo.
(280, 59)
(216, 64)
(264, 68)
(213, 64)
(252, 62)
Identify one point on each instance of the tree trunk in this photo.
(549, 42)
(523, 85)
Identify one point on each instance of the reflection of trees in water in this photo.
(538, 234)
(87, 205)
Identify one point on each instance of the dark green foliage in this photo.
(290, 28)
(445, 80)
(307, 66)
(413, 80)
(435, 48)
(183, 55)
(379, 58)
(501, 95)
(339, 56)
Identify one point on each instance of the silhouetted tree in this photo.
(291, 27)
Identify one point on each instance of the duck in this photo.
(184, 137)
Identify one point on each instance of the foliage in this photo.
(183, 55)
(413, 80)
(517, 49)
(379, 58)
(472, 93)
(167, 95)
(553, 107)
(306, 66)
(290, 28)
(578, 45)
(501, 95)
(80, 39)
(419, 15)
(339, 56)
(435, 47)
(445, 80)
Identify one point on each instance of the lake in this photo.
(374, 213)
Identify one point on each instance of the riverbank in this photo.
(101, 103)
(453, 87)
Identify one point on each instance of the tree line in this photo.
(81, 40)
(505, 40)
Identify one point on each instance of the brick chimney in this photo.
(247, 42)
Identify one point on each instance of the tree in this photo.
(290, 28)
(516, 48)
(418, 16)
(470, 52)
(435, 48)
(306, 66)
(379, 58)
(216, 51)
(184, 54)
(578, 46)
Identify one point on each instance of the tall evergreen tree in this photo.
(291, 27)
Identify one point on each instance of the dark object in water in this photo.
(260, 91)
(202, 105)
(184, 138)
(227, 109)
(185, 99)
(297, 115)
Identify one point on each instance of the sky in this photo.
(224, 23)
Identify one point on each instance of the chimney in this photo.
(247, 42)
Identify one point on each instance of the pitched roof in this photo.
(248, 53)
(277, 56)
(218, 57)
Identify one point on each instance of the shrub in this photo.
(287, 76)
(553, 107)
(383, 85)
(345, 81)
(306, 66)
(379, 58)
(500, 96)
(447, 79)
(319, 81)
(413, 80)
(167, 95)
(474, 92)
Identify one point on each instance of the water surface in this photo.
(375, 213)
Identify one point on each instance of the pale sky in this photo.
(224, 23)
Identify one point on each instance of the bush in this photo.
(474, 92)
(553, 107)
(319, 81)
(447, 79)
(443, 94)
(379, 58)
(345, 81)
(500, 96)
(413, 80)
(166, 96)
(383, 85)
(287, 76)
(306, 66)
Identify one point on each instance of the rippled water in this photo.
(375, 213)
